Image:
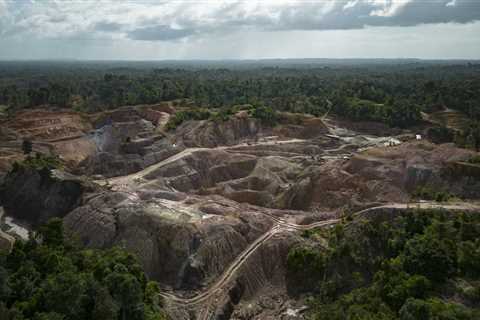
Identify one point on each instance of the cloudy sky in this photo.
(215, 29)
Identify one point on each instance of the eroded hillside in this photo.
(212, 207)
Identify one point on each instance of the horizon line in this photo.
(234, 59)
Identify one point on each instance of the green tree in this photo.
(49, 316)
(430, 257)
(127, 292)
(50, 278)
(415, 309)
(105, 306)
(52, 233)
(265, 114)
(65, 293)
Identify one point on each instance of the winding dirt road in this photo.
(425, 205)
(280, 225)
(231, 271)
(186, 152)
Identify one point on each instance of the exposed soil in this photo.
(212, 208)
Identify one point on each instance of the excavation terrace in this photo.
(211, 208)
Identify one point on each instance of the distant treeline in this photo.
(390, 93)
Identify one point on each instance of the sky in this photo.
(215, 29)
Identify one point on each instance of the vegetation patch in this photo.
(440, 134)
(50, 278)
(420, 265)
(400, 113)
(431, 193)
(193, 114)
(474, 160)
(40, 162)
(469, 137)
(3, 110)
(265, 114)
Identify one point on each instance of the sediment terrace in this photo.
(204, 205)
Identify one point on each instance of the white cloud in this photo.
(389, 8)
(451, 3)
(350, 4)
(170, 20)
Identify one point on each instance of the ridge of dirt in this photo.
(212, 208)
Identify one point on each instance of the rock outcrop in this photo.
(183, 248)
(35, 196)
(211, 134)
(6, 240)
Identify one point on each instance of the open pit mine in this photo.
(212, 208)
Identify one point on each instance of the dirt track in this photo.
(279, 224)
(204, 300)
(230, 272)
(283, 226)
(186, 152)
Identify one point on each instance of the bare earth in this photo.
(212, 209)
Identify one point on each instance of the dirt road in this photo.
(186, 152)
(231, 271)
(425, 205)
(280, 225)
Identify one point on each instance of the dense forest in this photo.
(357, 90)
(50, 278)
(392, 92)
(415, 266)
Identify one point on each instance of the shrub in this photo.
(429, 193)
(41, 162)
(181, 116)
(266, 115)
(474, 160)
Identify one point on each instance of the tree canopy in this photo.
(48, 277)
(418, 266)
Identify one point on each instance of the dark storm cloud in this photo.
(423, 12)
(139, 20)
(432, 11)
(316, 15)
(159, 33)
(108, 26)
(358, 14)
